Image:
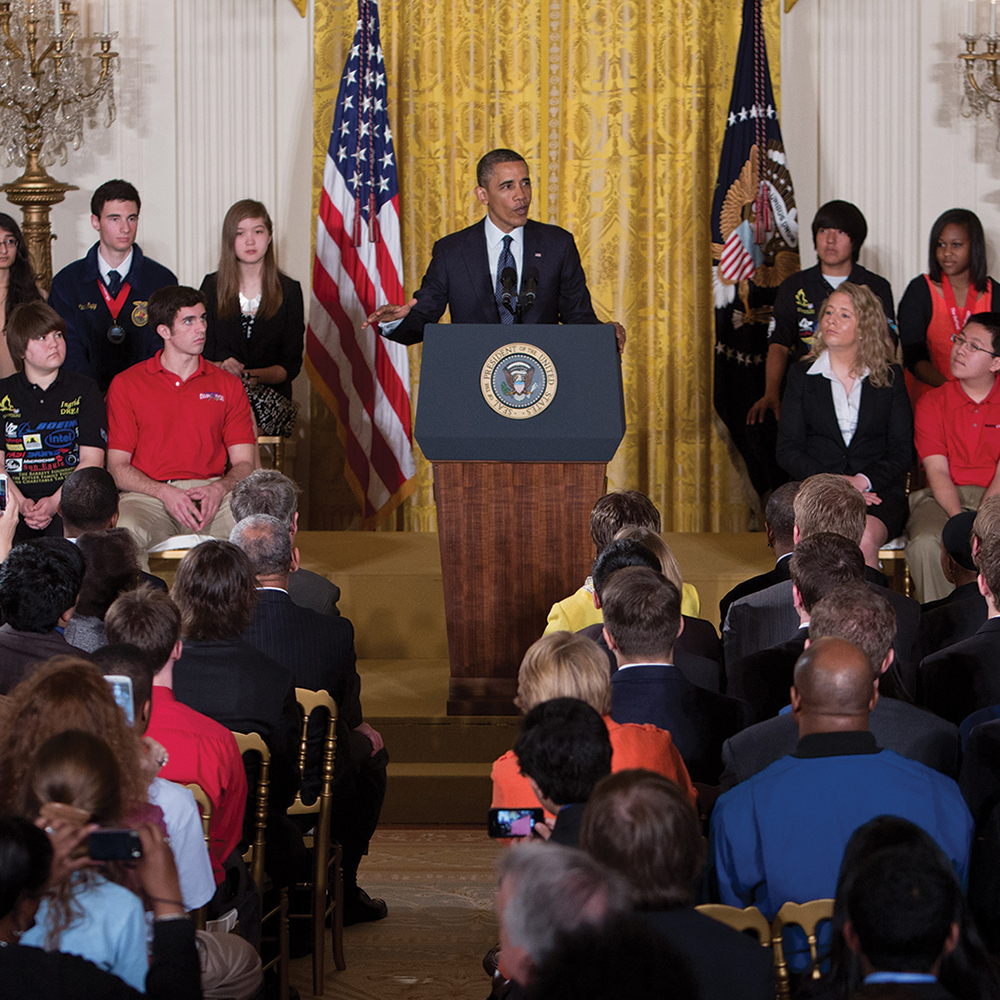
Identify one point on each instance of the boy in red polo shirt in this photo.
(173, 421)
(957, 429)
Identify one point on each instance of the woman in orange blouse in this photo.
(568, 665)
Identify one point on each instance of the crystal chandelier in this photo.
(47, 98)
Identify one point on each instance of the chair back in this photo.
(808, 916)
(254, 856)
(309, 702)
(204, 807)
(748, 919)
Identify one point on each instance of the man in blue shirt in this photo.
(781, 834)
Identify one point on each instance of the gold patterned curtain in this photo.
(618, 107)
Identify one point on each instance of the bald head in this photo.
(833, 689)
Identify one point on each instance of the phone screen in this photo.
(514, 822)
(121, 688)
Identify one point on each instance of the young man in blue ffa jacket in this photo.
(103, 297)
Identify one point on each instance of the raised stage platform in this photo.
(391, 590)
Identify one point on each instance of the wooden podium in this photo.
(513, 492)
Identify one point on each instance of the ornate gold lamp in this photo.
(45, 102)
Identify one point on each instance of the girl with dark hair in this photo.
(937, 304)
(31, 863)
(255, 315)
(17, 281)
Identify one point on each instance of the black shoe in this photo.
(363, 909)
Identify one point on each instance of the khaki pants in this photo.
(230, 967)
(150, 524)
(923, 550)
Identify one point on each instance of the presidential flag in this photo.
(755, 241)
(364, 379)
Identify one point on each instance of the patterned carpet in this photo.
(439, 884)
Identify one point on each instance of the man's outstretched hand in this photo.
(388, 314)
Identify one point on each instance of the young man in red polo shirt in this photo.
(173, 422)
(958, 440)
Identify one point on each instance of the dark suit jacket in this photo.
(965, 676)
(768, 618)
(458, 278)
(244, 690)
(779, 574)
(809, 438)
(310, 590)
(569, 821)
(21, 652)
(274, 341)
(698, 720)
(704, 671)
(725, 963)
(909, 731)
(317, 649)
(952, 619)
(763, 679)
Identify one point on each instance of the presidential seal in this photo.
(518, 381)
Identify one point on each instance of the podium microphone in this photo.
(508, 279)
(530, 284)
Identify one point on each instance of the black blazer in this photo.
(274, 341)
(698, 720)
(763, 679)
(458, 278)
(809, 439)
(952, 619)
(958, 679)
(780, 573)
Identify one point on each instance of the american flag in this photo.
(364, 379)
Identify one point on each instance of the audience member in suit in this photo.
(641, 621)
(547, 891)
(957, 616)
(881, 899)
(780, 835)
(89, 502)
(697, 658)
(819, 563)
(824, 502)
(39, 583)
(267, 491)
(612, 512)
(867, 620)
(222, 676)
(779, 523)
(319, 651)
(980, 782)
(568, 665)
(643, 828)
(564, 750)
(965, 676)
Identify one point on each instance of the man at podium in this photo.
(505, 269)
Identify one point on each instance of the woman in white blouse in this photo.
(845, 410)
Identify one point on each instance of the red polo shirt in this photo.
(203, 751)
(947, 422)
(177, 429)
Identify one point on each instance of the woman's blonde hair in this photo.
(655, 543)
(564, 665)
(874, 347)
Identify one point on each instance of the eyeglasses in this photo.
(959, 341)
(10, 243)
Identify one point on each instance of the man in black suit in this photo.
(957, 616)
(824, 502)
(868, 621)
(319, 652)
(779, 525)
(505, 269)
(267, 491)
(819, 564)
(642, 615)
(564, 750)
(963, 677)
